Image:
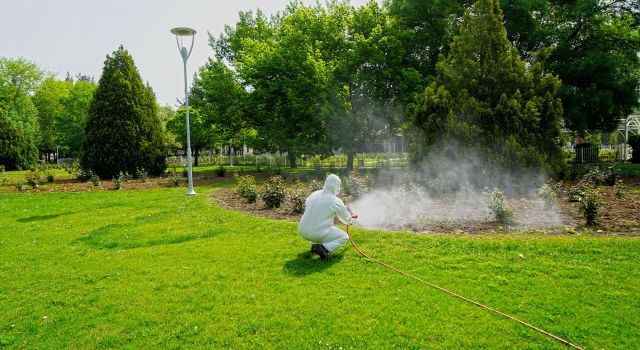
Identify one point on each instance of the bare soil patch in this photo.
(619, 216)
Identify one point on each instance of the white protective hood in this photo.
(321, 209)
(332, 184)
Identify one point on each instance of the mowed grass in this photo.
(157, 269)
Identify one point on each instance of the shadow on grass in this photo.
(307, 263)
(44, 217)
(122, 236)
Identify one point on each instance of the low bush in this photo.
(608, 155)
(611, 174)
(590, 205)
(298, 197)
(354, 185)
(595, 175)
(84, 175)
(570, 157)
(499, 210)
(33, 179)
(221, 171)
(618, 189)
(548, 196)
(246, 188)
(20, 187)
(95, 180)
(315, 185)
(273, 192)
(173, 176)
(576, 192)
(117, 183)
(142, 174)
(2, 168)
(50, 177)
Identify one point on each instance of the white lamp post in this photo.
(180, 33)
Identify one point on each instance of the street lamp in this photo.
(180, 33)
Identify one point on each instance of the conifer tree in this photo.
(123, 131)
(485, 98)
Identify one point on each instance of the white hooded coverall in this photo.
(321, 208)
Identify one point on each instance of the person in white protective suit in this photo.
(316, 225)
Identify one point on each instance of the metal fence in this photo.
(366, 160)
(595, 154)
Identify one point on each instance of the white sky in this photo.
(76, 35)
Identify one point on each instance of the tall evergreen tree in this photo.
(123, 131)
(488, 99)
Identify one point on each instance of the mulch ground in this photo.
(618, 216)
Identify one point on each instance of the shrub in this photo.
(42, 167)
(117, 182)
(142, 174)
(50, 178)
(610, 176)
(596, 176)
(576, 192)
(273, 192)
(355, 185)
(221, 171)
(173, 175)
(607, 155)
(33, 179)
(590, 205)
(20, 187)
(84, 175)
(2, 168)
(125, 176)
(246, 188)
(298, 196)
(570, 157)
(618, 189)
(500, 211)
(95, 180)
(548, 195)
(315, 185)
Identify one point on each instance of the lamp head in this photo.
(183, 31)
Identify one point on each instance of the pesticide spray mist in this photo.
(448, 192)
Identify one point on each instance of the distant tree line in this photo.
(496, 76)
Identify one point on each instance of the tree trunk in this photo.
(350, 156)
(292, 160)
(196, 152)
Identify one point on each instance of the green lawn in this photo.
(156, 269)
(628, 169)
